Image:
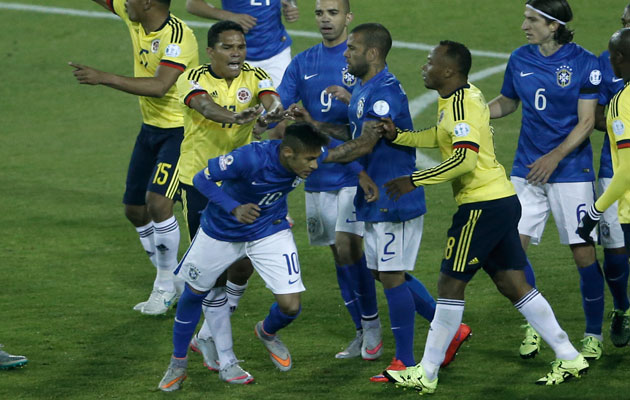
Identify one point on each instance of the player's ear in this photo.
(349, 18)
(372, 54)
(209, 51)
(287, 152)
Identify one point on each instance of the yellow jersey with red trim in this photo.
(172, 45)
(618, 127)
(204, 138)
(465, 139)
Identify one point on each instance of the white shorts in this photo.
(274, 258)
(567, 201)
(610, 233)
(274, 66)
(393, 246)
(330, 212)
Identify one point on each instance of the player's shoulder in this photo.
(306, 54)
(179, 32)
(604, 56)
(254, 72)
(195, 73)
(524, 51)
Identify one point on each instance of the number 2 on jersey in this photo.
(259, 2)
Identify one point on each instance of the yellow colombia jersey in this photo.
(618, 127)
(205, 139)
(463, 123)
(172, 45)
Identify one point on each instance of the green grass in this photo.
(72, 266)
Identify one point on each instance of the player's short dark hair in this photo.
(216, 29)
(375, 35)
(460, 54)
(346, 4)
(559, 9)
(304, 136)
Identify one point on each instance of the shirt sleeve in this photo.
(508, 90)
(589, 89)
(288, 89)
(384, 103)
(604, 90)
(188, 88)
(423, 138)
(180, 52)
(263, 83)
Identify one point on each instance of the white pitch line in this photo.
(201, 24)
(416, 106)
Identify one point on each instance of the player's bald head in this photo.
(620, 43)
(376, 36)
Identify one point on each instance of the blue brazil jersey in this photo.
(383, 96)
(268, 37)
(250, 174)
(306, 78)
(549, 89)
(609, 87)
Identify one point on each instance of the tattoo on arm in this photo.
(353, 149)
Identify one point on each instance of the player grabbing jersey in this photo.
(557, 82)
(330, 190)
(163, 47)
(617, 123)
(484, 232)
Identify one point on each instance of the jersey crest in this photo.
(563, 75)
(155, 46)
(243, 95)
(347, 78)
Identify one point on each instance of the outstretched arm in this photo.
(501, 106)
(155, 86)
(205, 106)
(353, 149)
(337, 131)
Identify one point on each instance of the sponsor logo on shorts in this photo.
(292, 282)
(383, 259)
(473, 261)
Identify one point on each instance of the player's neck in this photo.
(336, 42)
(373, 70)
(549, 48)
(154, 20)
(450, 87)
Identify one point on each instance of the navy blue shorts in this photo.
(484, 235)
(194, 203)
(153, 166)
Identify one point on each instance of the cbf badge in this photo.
(347, 78)
(563, 75)
(360, 107)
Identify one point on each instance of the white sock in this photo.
(167, 244)
(448, 317)
(146, 234)
(217, 313)
(234, 293)
(539, 314)
(204, 332)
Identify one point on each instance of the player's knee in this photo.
(583, 254)
(349, 248)
(137, 215)
(160, 209)
(289, 304)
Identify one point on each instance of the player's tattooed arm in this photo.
(353, 149)
(337, 131)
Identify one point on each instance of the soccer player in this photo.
(268, 43)
(617, 121)
(484, 230)
(245, 217)
(610, 231)
(221, 100)
(9, 361)
(163, 47)
(392, 229)
(557, 81)
(330, 190)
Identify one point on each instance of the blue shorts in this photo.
(153, 166)
(484, 235)
(194, 203)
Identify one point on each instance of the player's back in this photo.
(549, 89)
(268, 37)
(609, 87)
(254, 175)
(617, 125)
(383, 96)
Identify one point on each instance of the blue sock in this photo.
(402, 317)
(348, 294)
(186, 319)
(277, 320)
(365, 288)
(424, 302)
(529, 274)
(592, 287)
(616, 272)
